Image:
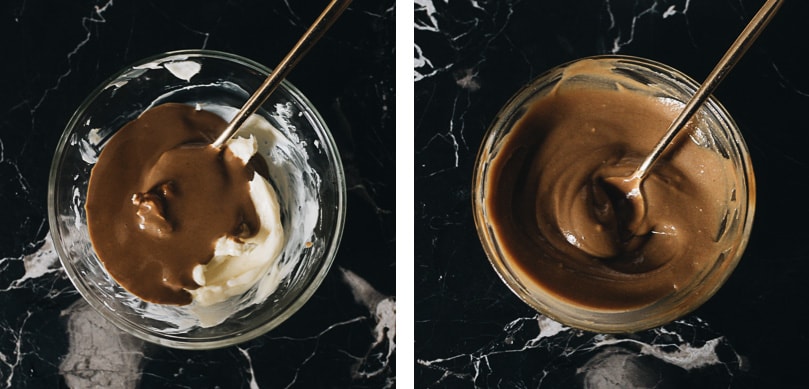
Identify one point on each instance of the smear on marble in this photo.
(99, 354)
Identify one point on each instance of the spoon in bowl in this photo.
(630, 186)
(309, 38)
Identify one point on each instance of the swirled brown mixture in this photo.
(160, 196)
(561, 226)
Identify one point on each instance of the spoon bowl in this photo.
(628, 203)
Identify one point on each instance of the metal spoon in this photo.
(631, 186)
(309, 38)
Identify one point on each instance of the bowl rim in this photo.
(489, 242)
(327, 143)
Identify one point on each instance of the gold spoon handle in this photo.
(731, 57)
(309, 38)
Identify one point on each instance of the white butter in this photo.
(237, 266)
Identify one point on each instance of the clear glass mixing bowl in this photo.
(305, 168)
(724, 139)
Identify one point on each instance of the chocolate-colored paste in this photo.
(160, 196)
(561, 226)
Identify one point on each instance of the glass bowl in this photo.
(712, 130)
(305, 168)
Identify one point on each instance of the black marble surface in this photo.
(55, 53)
(471, 331)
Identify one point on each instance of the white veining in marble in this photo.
(12, 361)
(95, 357)
(253, 383)
(315, 339)
(38, 270)
(96, 18)
(620, 33)
(428, 9)
(41, 262)
(43, 343)
(624, 35)
(786, 83)
(383, 312)
(101, 355)
(603, 353)
(463, 53)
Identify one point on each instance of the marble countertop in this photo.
(471, 331)
(55, 53)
